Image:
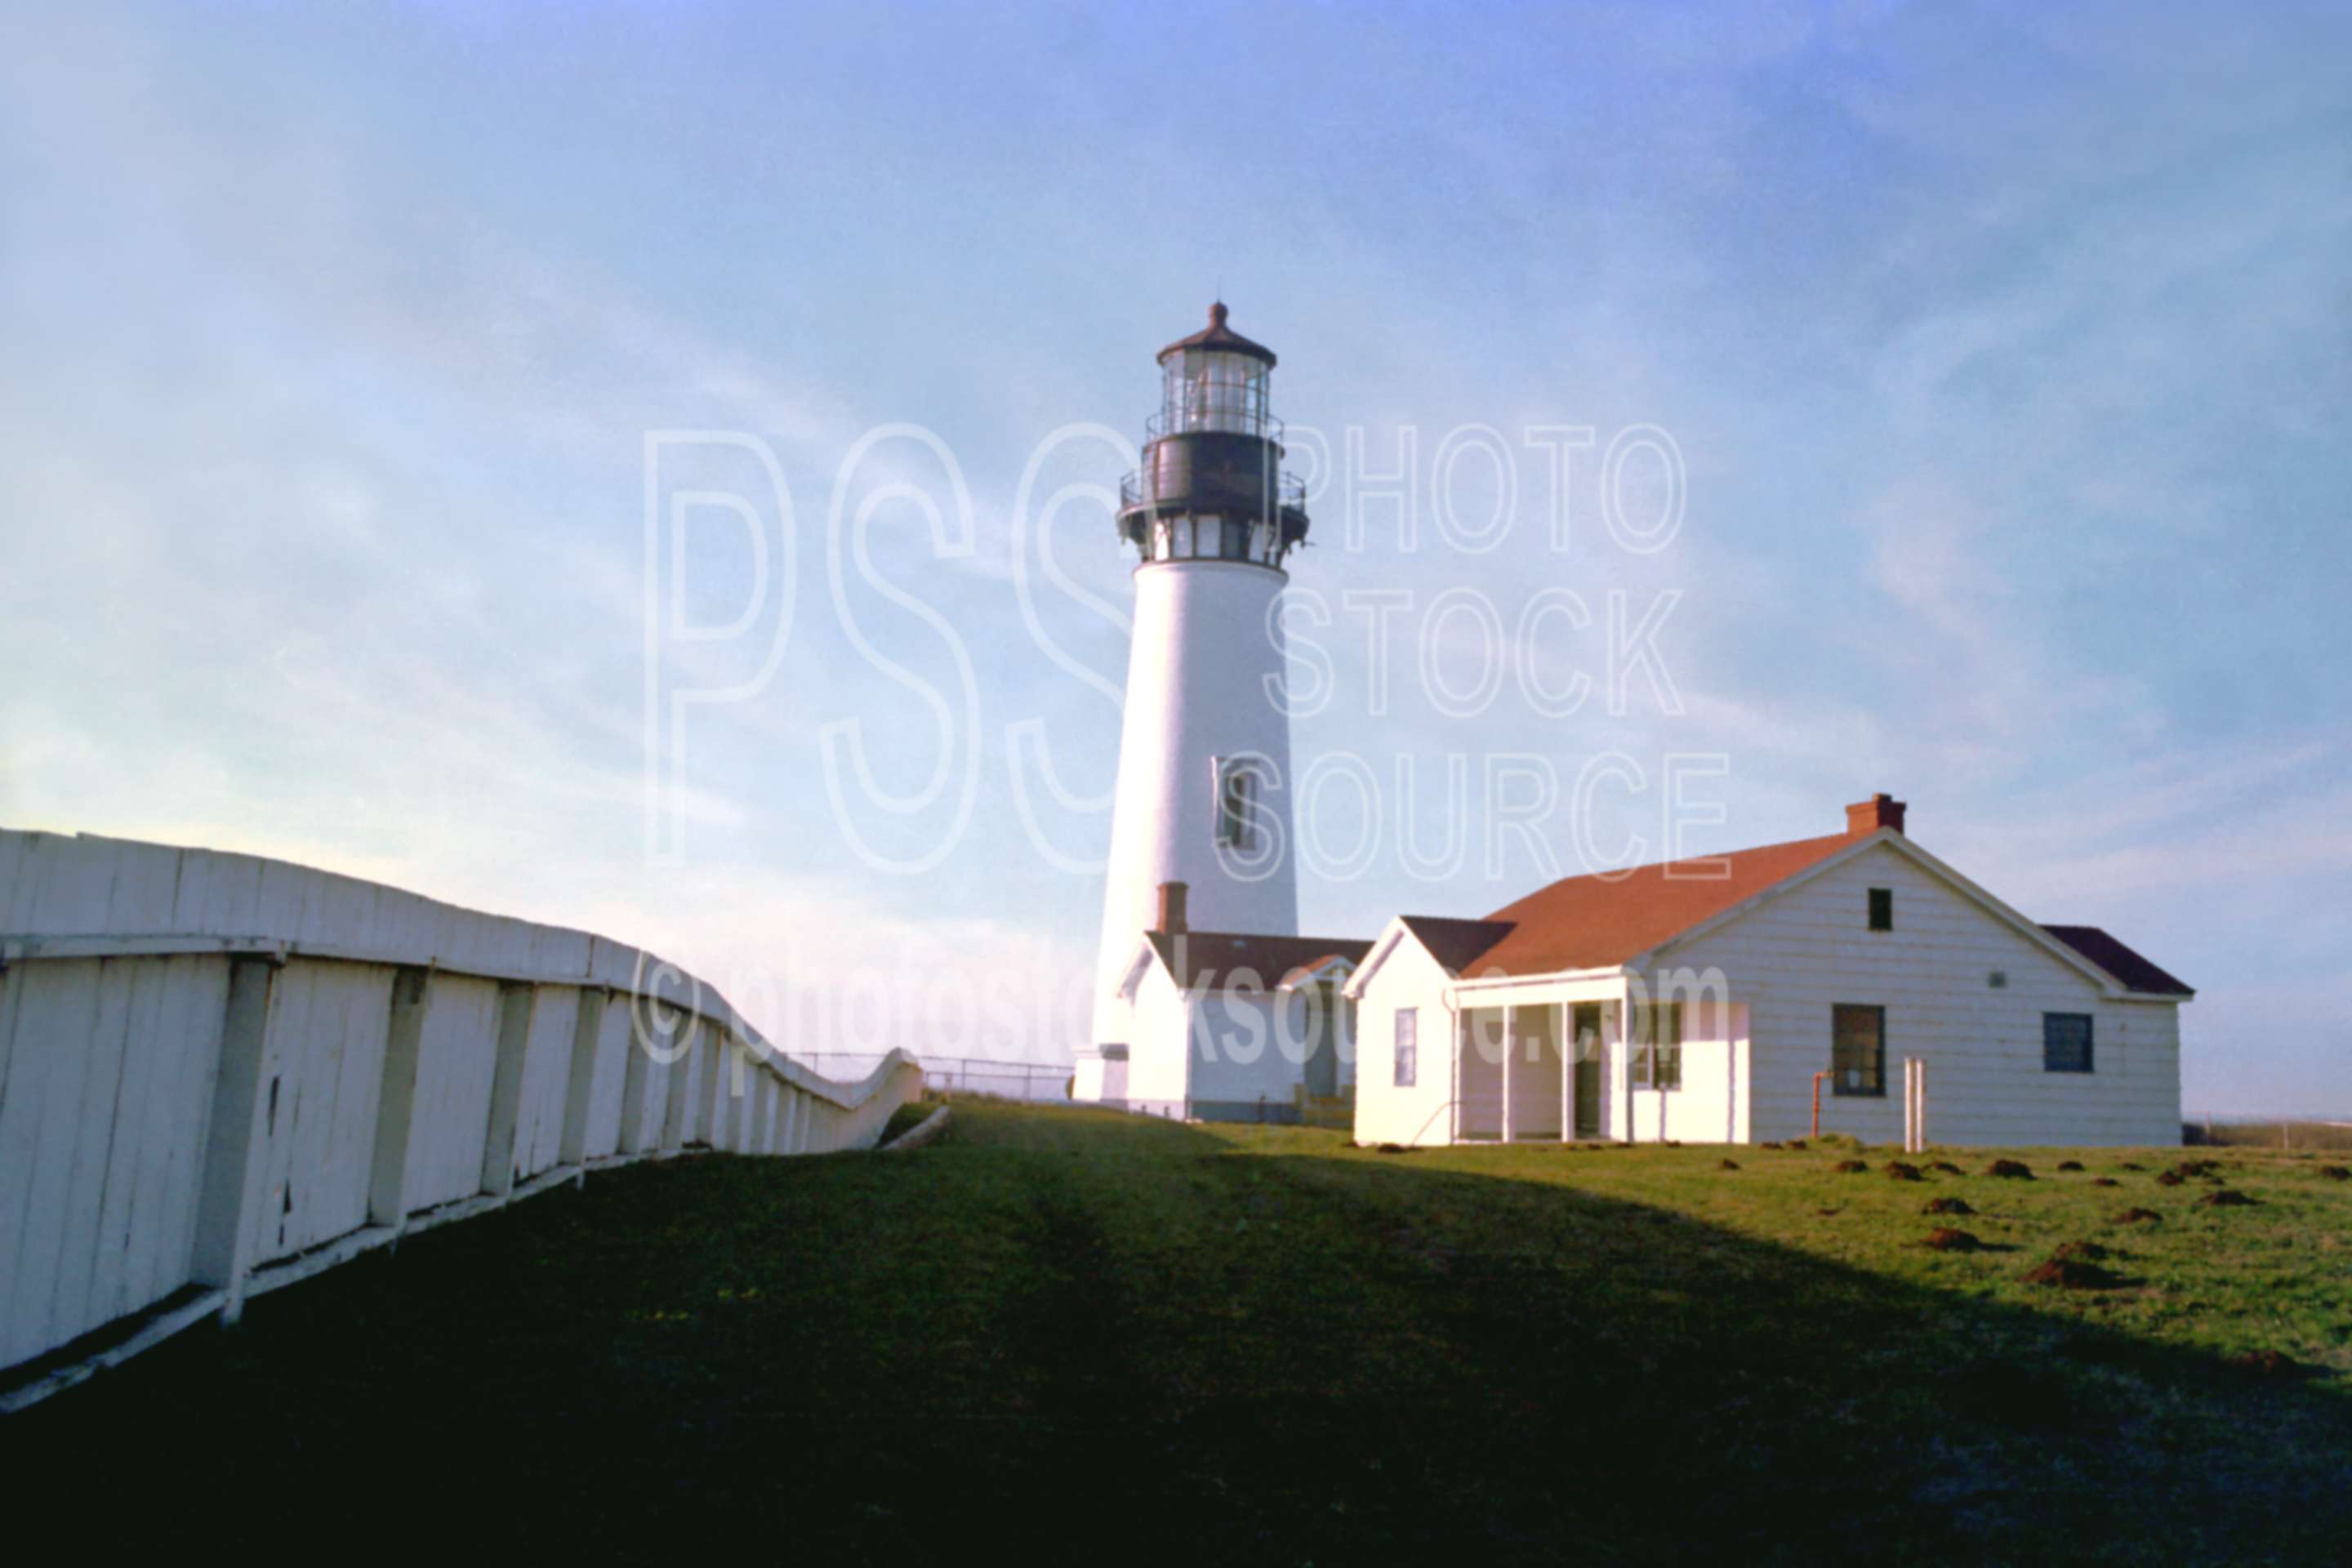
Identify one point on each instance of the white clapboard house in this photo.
(1713, 1001)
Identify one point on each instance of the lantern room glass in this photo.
(1205, 389)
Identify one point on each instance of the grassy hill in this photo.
(1066, 1334)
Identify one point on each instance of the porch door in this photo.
(1588, 1070)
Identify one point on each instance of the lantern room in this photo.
(1214, 380)
(1212, 486)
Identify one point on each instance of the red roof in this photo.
(1600, 920)
(1606, 919)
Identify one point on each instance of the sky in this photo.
(1965, 390)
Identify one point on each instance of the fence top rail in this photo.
(16, 950)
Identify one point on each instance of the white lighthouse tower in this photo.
(1202, 809)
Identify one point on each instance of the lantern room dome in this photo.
(1219, 338)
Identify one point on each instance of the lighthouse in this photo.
(1203, 851)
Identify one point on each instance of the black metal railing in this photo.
(1290, 492)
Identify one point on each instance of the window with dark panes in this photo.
(1656, 1060)
(1882, 909)
(1235, 827)
(1858, 1048)
(2065, 1042)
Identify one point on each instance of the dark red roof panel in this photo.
(1455, 944)
(2137, 974)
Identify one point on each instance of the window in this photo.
(1236, 827)
(1858, 1048)
(1882, 909)
(2065, 1042)
(1408, 1047)
(1657, 1058)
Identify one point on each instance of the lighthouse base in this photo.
(1100, 1077)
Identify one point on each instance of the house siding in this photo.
(1408, 977)
(1712, 1105)
(1159, 1067)
(1248, 1055)
(1790, 960)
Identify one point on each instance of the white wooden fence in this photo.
(220, 1074)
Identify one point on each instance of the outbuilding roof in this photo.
(1225, 960)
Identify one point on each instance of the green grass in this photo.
(1066, 1335)
(908, 1117)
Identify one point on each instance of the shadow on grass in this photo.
(1062, 1335)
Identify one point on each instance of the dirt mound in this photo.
(2087, 1251)
(2225, 1198)
(1727, 1164)
(2104, 1181)
(2015, 1170)
(2197, 1167)
(2127, 1166)
(2169, 1178)
(1897, 1171)
(1850, 1167)
(2071, 1274)
(2136, 1216)
(1769, 1145)
(2270, 1363)
(1947, 1167)
(1794, 1143)
(1829, 1213)
(1943, 1239)
(1948, 1205)
(1392, 1148)
(2069, 1165)
(2335, 1172)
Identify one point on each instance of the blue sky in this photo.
(2006, 353)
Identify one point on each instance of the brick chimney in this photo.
(1867, 816)
(1171, 905)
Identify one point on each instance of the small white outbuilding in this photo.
(1718, 1000)
(1231, 1026)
